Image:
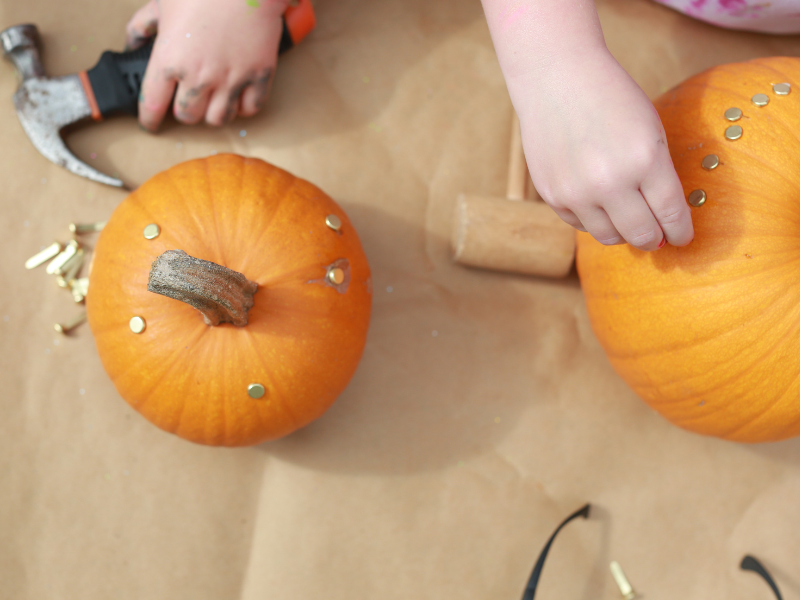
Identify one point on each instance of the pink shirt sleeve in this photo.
(766, 16)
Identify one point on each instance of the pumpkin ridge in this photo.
(272, 385)
(179, 422)
(224, 421)
(187, 208)
(148, 213)
(747, 153)
(723, 408)
(731, 433)
(758, 358)
(257, 243)
(695, 341)
(168, 365)
(211, 196)
(688, 344)
(665, 293)
(298, 277)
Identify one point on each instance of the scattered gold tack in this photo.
(256, 390)
(77, 291)
(697, 198)
(760, 99)
(733, 114)
(80, 288)
(734, 132)
(71, 270)
(76, 260)
(152, 231)
(54, 268)
(80, 228)
(43, 256)
(333, 222)
(70, 325)
(710, 162)
(782, 89)
(625, 587)
(336, 276)
(137, 324)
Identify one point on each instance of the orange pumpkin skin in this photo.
(708, 334)
(304, 338)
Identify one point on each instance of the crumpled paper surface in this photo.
(483, 412)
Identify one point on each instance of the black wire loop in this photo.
(530, 589)
(751, 563)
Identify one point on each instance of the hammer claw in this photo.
(44, 106)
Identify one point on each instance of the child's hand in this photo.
(221, 56)
(598, 154)
(595, 146)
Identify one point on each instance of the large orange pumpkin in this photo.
(708, 335)
(244, 225)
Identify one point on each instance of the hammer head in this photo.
(46, 105)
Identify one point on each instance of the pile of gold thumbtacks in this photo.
(65, 262)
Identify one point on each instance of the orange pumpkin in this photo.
(244, 225)
(708, 334)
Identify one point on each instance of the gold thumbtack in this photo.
(73, 261)
(79, 288)
(71, 270)
(137, 324)
(65, 328)
(152, 231)
(81, 228)
(782, 89)
(733, 114)
(734, 132)
(697, 198)
(43, 256)
(625, 587)
(333, 222)
(710, 162)
(336, 276)
(54, 268)
(256, 390)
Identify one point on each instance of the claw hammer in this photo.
(45, 105)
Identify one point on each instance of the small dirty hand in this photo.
(594, 143)
(216, 58)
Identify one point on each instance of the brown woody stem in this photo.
(221, 294)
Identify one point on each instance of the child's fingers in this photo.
(223, 105)
(634, 221)
(664, 194)
(255, 95)
(191, 102)
(596, 221)
(569, 218)
(142, 25)
(156, 95)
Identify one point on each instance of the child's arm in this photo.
(220, 55)
(594, 143)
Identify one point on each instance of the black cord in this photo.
(750, 563)
(530, 589)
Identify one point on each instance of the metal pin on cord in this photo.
(625, 587)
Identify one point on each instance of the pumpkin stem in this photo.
(219, 293)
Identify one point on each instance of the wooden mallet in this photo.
(512, 233)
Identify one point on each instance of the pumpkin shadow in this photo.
(448, 367)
